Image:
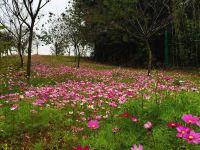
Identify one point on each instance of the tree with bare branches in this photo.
(12, 22)
(32, 7)
(146, 19)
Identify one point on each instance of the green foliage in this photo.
(186, 33)
(111, 26)
(6, 42)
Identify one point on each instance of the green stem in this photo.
(154, 142)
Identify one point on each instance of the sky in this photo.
(57, 7)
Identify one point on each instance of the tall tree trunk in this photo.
(37, 49)
(79, 57)
(149, 57)
(69, 52)
(56, 49)
(19, 48)
(30, 51)
(20, 54)
(75, 52)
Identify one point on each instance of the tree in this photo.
(56, 34)
(149, 18)
(12, 22)
(33, 14)
(76, 32)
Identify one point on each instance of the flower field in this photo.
(98, 107)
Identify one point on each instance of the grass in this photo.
(62, 124)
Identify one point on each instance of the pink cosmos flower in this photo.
(82, 148)
(182, 131)
(93, 124)
(193, 137)
(39, 102)
(98, 117)
(113, 104)
(122, 99)
(82, 113)
(2, 97)
(148, 125)
(125, 115)
(167, 78)
(33, 111)
(13, 107)
(198, 123)
(188, 118)
(135, 147)
(173, 124)
(134, 119)
(194, 89)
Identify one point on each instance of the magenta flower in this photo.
(135, 147)
(82, 148)
(198, 123)
(134, 119)
(188, 118)
(182, 131)
(39, 102)
(193, 137)
(113, 104)
(148, 125)
(33, 111)
(13, 107)
(167, 78)
(125, 115)
(93, 124)
(122, 100)
(172, 124)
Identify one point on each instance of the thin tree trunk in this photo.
(149, 56)
(69, 52)
(75, 52)
(37, 49)
(56, 48)
(20, 56)
(19, 48)
(79, 58)
(30, 51)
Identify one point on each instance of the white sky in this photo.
(57, 7)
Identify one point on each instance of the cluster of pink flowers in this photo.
(107, 86)
(187, 133)
(39, 102)
(49, 71)
(13, 78)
